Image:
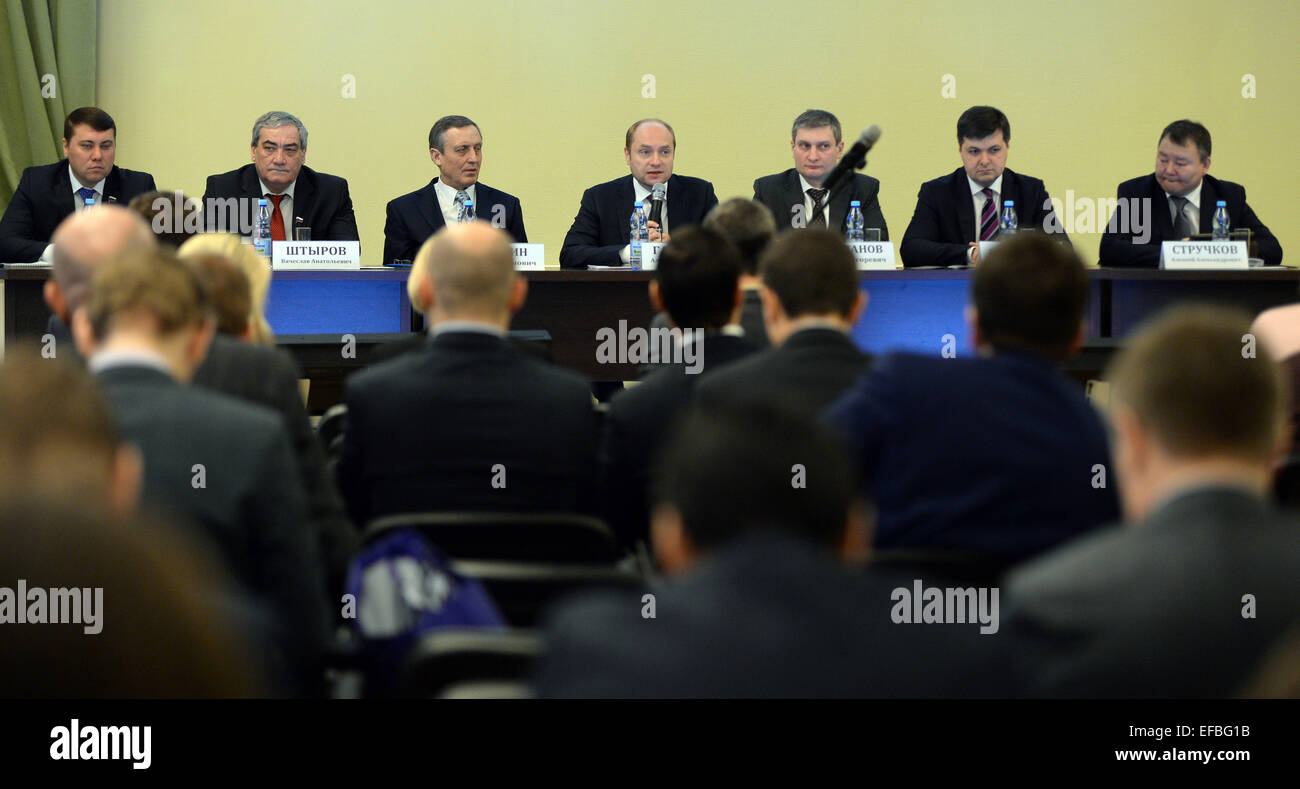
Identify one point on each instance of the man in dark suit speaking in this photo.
(298, 195)
(600, 232)
(47, 194)
(456, 147)
(796, 197)
(957, 211)
(1179, 202)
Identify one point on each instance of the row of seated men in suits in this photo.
(1008, 478)
(953, 213)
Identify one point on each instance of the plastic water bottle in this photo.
(1221, 223)
(1010, 223)
(469, 211)
(855, 221)
(262, 228)
(638, 232)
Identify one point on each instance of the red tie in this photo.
(277, 221)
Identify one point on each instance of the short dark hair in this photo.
(815, 119)
(1179, 132)
(697, 273)
(178, 208)
(1186, 375)
(748, 224)
(811, 272)
(730, 471)
(979, 122)
(446, 122)
(1030, 295)
(627, 139)
(93, 117)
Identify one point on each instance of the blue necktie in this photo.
(86, 193)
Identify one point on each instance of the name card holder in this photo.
(529, 257)
(650, 254)
(874, 255)
(1203, 255)
(318, 255)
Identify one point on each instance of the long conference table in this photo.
(908, 309)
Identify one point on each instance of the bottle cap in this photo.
(1010, 203)
(855, 204)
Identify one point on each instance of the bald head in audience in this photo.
(466, 272)
(88, 239)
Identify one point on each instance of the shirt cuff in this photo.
(47, 255)
(625, 254)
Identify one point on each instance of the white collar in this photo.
(642, 193)
(266, 190)
(1194, 196)
(975, 188)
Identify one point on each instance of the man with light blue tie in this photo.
(47, 194)
(456, 148)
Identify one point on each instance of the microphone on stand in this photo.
(855, 159)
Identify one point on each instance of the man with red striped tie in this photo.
(957, 211)
(299, 197)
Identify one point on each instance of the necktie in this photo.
(462, 213)
(1182, 222)
(988, 216)
(817, 219)
(277, 221)
(85, 193)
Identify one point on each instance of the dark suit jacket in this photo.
(269, 377)
(808, 371)
(781, 192)
(638, 422)
(413, 217)
(1122, 248)
(1156, 610)
(767, 616)
(943, 224)
(44, 199)
(751, 320)
(321, 200)
(250, 503)
(993, 457)
(600, 230)
(426, 430)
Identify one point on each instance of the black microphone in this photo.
(657, 195)
(855, 159)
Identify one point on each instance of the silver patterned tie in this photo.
(461, 212)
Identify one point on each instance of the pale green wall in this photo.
(555, 84)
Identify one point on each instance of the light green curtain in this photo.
(47, 69)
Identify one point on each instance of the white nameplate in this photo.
(340, 255)
(874, 255)
(529, 257)
(1201, 255)
(650, 254)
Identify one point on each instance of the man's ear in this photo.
(83, 334)
(518, 293)
(672, 546)
(855, 543)
(771, 306)
(859, 306)
(55, 301)
(627, 156)
(200, 339)
(655, 300)
(424, 291)
(972, 316)
(127, 479)
(1131, 439)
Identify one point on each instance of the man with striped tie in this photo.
(48, 194)
(957, 211)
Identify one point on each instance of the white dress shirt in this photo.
(447, 201)
(804, 186)
(286, 207)
(642, 195)
(1192, 209)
